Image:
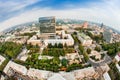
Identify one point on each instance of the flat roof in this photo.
(17, 67)
(86, 72)
(84, 36)
(106, 76)
(36, 73)
(1, 59)
(117, 57)
(46, 18)
(118, 67)
(56, 76)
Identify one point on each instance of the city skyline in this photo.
(16, 12)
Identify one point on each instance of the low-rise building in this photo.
(118, 67)
(85, 73)
(57, 77)
(11, 68)
(66, 39)
(116, 37)
(106, 76)
(85, 40)
(72, 56)
(18, 39)
(36, 74)
(95, 33)
(2, 59)
(117, 57)
(34, 41)
(68, 76)
(96, 54)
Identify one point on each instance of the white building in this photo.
(118, 67)
(56, 76)
(117, 57)
(68, 75)
(36, 74)
(85, 40)
(2, 59)
(34, 41)
(69, 40)
(85, 73)
(106, 76)
(12, 67)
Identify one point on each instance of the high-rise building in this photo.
(47, 27)
(107, 35)
(102, 25)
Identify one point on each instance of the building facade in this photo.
(107, 35)
(47, 27)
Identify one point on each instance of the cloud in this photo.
(106, 12)
(15, 5)
(10, 8)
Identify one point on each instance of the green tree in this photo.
(56, 45)
(50, 45)
(65, 45)
(75, 33)
(60, 45)
(64, 62)
(88, 50)
(81, 48)
(97, 48)
(86, 57)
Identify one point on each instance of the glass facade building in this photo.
(47, 24)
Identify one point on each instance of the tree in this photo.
(50, 45)
(28, 46)
(60, 45)
(111, 51)
(10, 49)
(64, 62)
(81, 48)
(88, 50)
(86, 57)
(56, 45)
(65, 45)
(97, 48)
(75, 33)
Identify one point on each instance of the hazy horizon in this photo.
(15, 12)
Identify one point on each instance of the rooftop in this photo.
(44, 18)
(1, 59)
(19, 68)
(118, 67)
(39, 74)
(84, 36)
(106, 76)
(86, 72)
(117, 57)
(57, 77)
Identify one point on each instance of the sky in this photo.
(15, 12)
